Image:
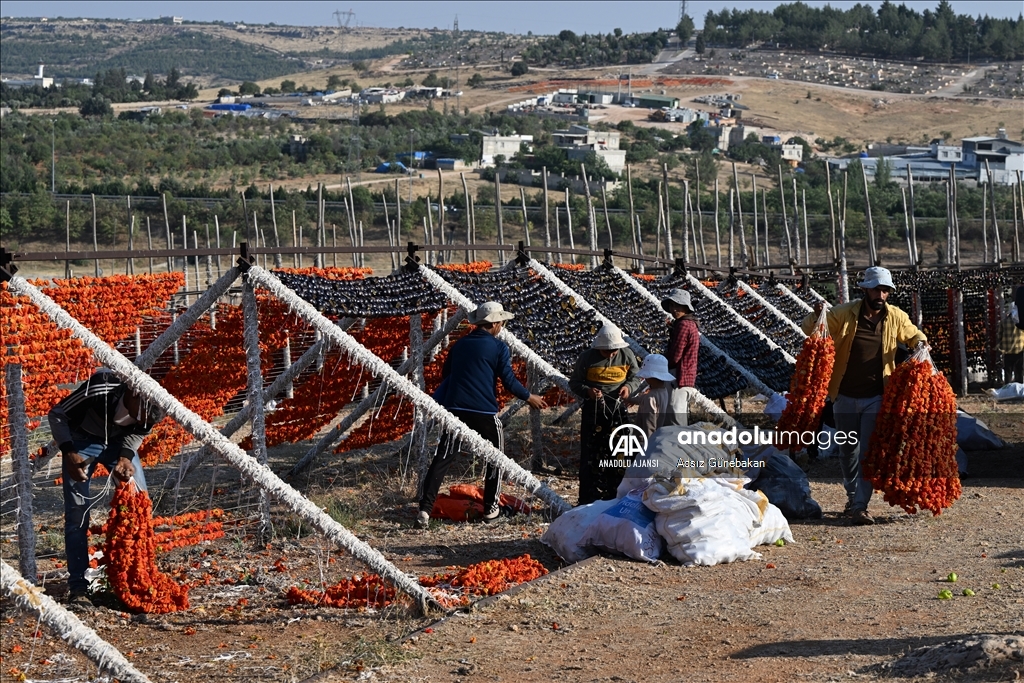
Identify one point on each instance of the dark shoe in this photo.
(79, 600)
(422, 520)
(848, 510)
(862, 518)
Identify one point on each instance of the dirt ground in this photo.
(842, 602)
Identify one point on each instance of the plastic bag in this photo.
(704, 521)
(1014, 391)
(664, 453)
(565, 534)
(627, 527)
(786, 487)
(974, 435)
(772, 527)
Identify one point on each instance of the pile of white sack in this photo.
(689, 500)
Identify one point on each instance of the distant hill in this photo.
(208, 53)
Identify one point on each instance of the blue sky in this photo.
(513, 17)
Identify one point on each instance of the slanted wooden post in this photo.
(254, 395)
(18, 421)
(547, 212)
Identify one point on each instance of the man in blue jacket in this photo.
(101, 422)
(468, 390)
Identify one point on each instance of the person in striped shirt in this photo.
(102, 422)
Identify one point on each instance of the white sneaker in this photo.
(422, 520)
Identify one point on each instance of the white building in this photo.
(1005, 158)
(381, 95)
(503, 145)
(39, 80)
(580, 141)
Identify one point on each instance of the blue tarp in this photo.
(389, 166)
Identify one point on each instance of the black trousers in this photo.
(1013, 367)
(599, 418)
(486, 425)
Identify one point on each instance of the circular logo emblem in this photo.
(627, 441)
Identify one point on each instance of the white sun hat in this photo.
(609, 338)
(490, 312)
(656, 367)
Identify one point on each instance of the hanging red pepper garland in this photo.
(130, 552)
(808, 388)
(912, 455)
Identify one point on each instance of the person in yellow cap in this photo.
(604, 376)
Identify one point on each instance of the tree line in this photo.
(569, 49)
(893, 32)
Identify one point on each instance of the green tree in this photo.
(96, 106)
(684, 29)
(475, 81)
(519, 68)
(334, 82)
(700, 46)
(287, 86)
(248, 88)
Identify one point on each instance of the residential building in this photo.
(580, 141)
(503, 145)
(1005, 158)
(38, 79)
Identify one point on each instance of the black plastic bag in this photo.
(786, 487)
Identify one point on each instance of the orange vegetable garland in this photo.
(808, 388)
(451, 590)
(912, 454)
(130, 552)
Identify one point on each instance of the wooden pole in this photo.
(398, 217)
(67, 239)
(591, 218)
(209, 260)
(278, 263)
(718, 235)
(764, 210)
(661, 221)
(669, 251)
(497, 212)
(558, 231)
(295, 242)
(796, 223)
(440, 210)
(732, 226)
(872, 251)
(997, 243)
(334, 243)
(216, 228)
(739, 214)
(1016, 234)
(429, 236)
(686, 223)
(913, 222)
(785, 223)
(831, 209)
(526, 218)
(807, 236)
(184, 261)
(167, 228)
(547, 213)
(906, 227)
(472, 216)
(568, 224)
(984, 220)
(131, 246)
(753, 196)
(469, 214)
(149, 240)
(632, 212)
(639, 242)
(607, 221)
(95, 245)
(700, 212)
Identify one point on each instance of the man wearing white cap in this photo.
(866, 332)
(605, 374)
(468, 390)
(681, 354)
(654, 410)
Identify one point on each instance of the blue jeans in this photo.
(856, 416)
(77, 505)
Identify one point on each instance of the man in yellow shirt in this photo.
(866, 333)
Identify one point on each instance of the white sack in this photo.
(565, 534)
(628, 528)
